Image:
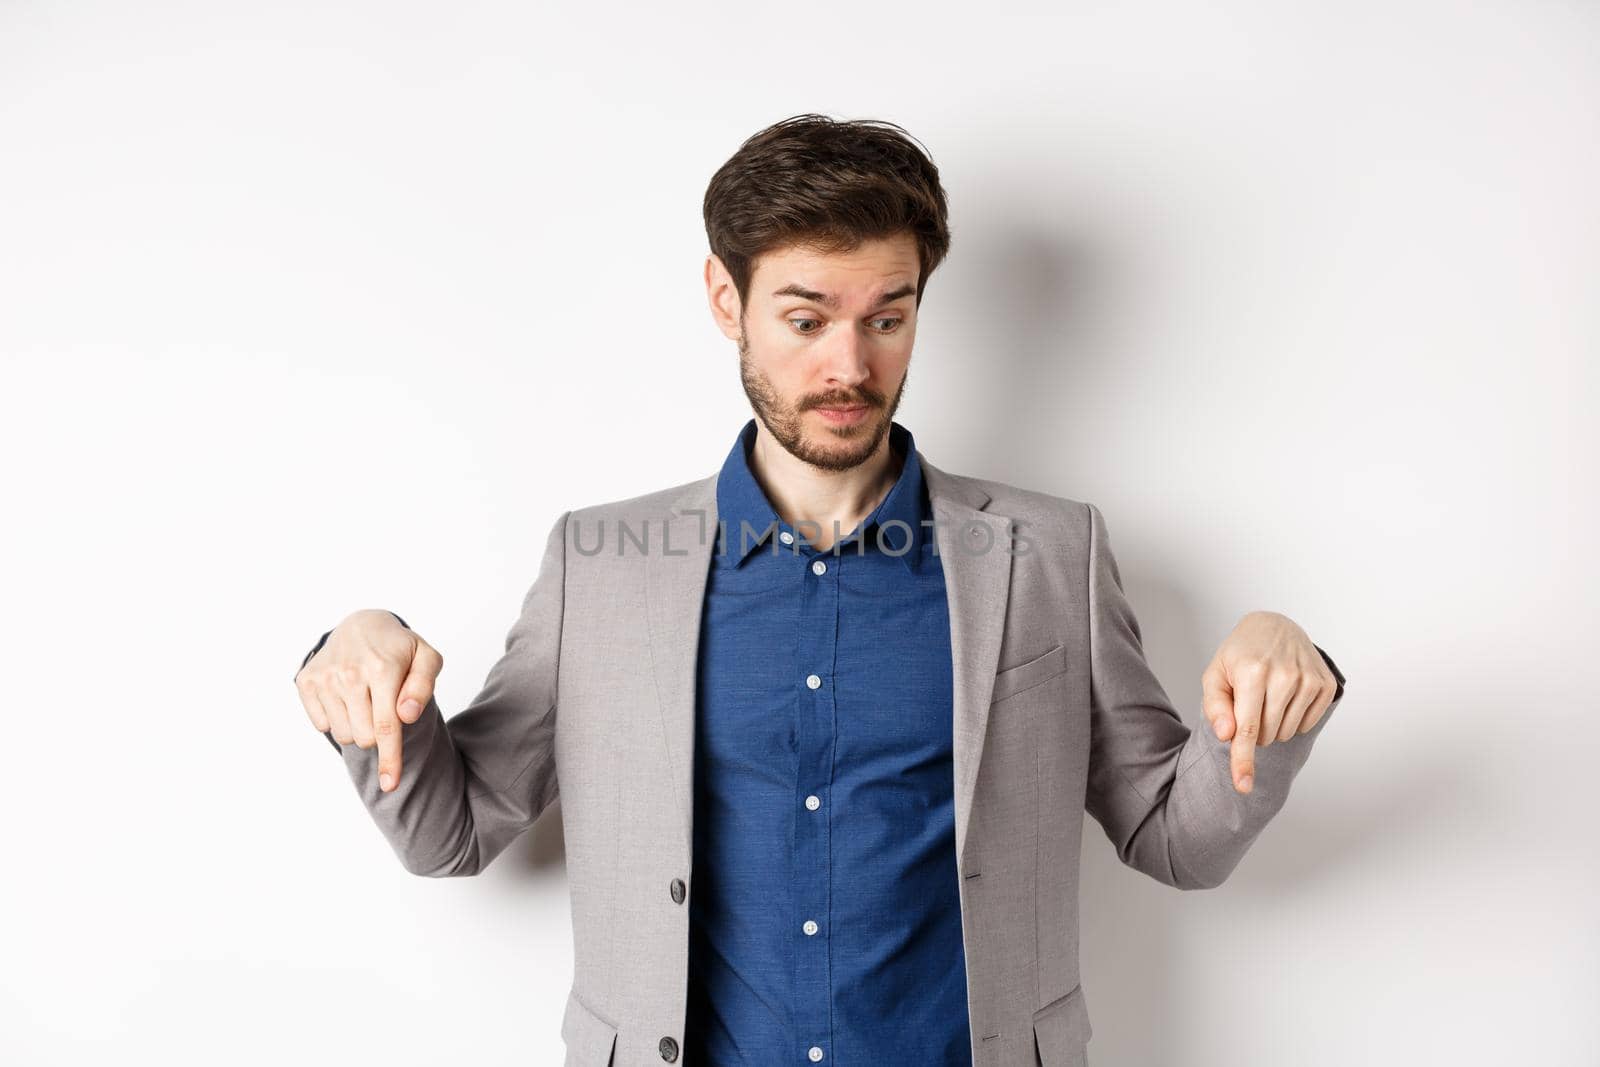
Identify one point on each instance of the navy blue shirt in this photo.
(825, 922)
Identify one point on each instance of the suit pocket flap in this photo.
(590, 1039)
(1061, 1031)
(1014, 680)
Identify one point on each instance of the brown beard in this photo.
(784, 421)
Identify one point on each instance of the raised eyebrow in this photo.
(828, 300)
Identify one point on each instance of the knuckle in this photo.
(387, 727)
(350, 673)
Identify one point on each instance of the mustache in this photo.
(843, 402)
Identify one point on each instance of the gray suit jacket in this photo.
(1056, 713)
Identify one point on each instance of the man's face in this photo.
(824, 344)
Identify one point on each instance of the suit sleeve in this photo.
(1163, 792)
(1338, 675)
(471, 785)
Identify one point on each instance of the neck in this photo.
(822, 499)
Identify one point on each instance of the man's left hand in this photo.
(1267, 682)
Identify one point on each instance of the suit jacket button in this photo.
(669, 1049)
(677, 890)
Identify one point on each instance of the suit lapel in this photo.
(974, 552)
(676, 571)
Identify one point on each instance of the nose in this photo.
(845, 363)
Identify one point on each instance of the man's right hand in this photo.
(372, 675)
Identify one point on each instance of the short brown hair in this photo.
(828, 184)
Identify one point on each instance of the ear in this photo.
(723, 296)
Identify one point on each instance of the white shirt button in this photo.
(786, 537)
(812, 681)
(810, 927)
(812, 803)
(818, 567)
(815, 1054)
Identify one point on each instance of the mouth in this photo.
(843, 416)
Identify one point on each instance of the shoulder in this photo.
(630, 525)
(1036, 506)
(656, 505)
(1033, 511)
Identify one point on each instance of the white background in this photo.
(312, 307)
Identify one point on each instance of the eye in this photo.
(894, 324)
(796, 323)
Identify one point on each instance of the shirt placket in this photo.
(817, 644)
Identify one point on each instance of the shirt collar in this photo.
(740, 498)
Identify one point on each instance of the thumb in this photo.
(417, 689)
(1216, 700)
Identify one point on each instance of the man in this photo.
(825, 723)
